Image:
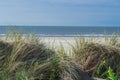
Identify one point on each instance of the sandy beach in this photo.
(54, 42)
(65, 42)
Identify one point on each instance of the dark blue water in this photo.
(61, 30)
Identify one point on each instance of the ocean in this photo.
(61, 30)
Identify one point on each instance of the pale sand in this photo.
(59, 42)
(66, 42)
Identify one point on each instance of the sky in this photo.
(60, 12)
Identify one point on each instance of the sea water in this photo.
(62, 30)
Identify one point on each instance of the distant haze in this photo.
(60, 12)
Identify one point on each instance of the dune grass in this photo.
(91, 54)
(25, 57)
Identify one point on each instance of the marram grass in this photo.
(27, 58)
(90, 54)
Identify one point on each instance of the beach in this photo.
(65, 42)
(54, 42)
(68, 41)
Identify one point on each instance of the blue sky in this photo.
(60, 12)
